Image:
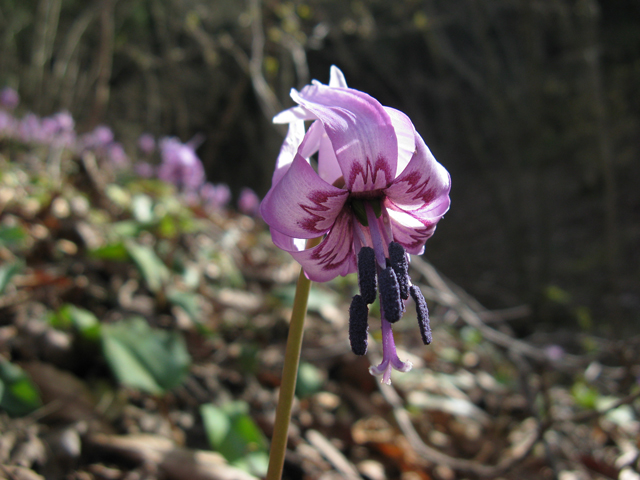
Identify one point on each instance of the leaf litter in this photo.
(141, 337)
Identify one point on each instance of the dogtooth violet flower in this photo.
(375, 197)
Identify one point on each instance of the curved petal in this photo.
(336, 78)
(301, 204)
(332, 257)
(422, 183)
(294, 113)
(409, 231)
(406, 135)
(328, 166)
(360, 131)
(288, 150)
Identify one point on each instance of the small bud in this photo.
(423, 314)
(398, 261)
(367, 274)
(390, 300)
(358, 325)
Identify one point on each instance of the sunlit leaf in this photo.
(153, 270)
(85, 322)
(114, 251)
(142, 207)
(234, 434)
(141, 357)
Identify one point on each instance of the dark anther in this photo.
(423, 314)
(390, 300)
(367, 274)
(398, 260)
(358, 326)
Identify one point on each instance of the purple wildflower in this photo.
(215, 197)
(249, 202)
(9, 98)
(377, 186)
(180, 165)
(146, 143)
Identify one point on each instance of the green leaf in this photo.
(11, 236)
(153, 270)
(310, 380)
(234, 434)
(18, 394)
(114, 251)
(142, 206)
(78, 318)
(148, 359)
(7, 272)
(188, 302)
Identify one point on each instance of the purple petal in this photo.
(336, 78)
(328, 166)
(406, 135)
(294, 113)
(410, 231)
(288, 150)
(422, 184)
(360, 131)
(301, 204)
(332, 257)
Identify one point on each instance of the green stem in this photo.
(289, 375)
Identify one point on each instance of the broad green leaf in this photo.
(234, 434)
(18, 394)
(151, 360)
(155, 273)
(7, 272)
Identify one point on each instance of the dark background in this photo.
(533, 106)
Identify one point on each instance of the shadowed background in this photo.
(533, 106)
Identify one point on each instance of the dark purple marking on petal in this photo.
(358, 325)
(416, 185)
(321, 204)
(369, 174)
(423, 314)
(330, 254)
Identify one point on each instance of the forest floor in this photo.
(142, 337)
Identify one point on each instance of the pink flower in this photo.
(9, 98)
(215, 197)
(377, 194)
(249, 202)
(146, 143)
(180, 165)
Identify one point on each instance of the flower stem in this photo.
(289, 374)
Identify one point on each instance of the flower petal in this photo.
(328, 166)
(423, 183)
(409, 231)
(332, 257)
(360, 131)
(301, 204)
(406, 134)
(292, 141)
(336, 78)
